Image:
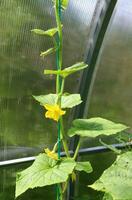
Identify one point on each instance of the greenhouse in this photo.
(65, 99)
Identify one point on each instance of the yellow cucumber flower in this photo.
(51, 154)
(53, 111)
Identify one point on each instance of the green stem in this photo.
(60, 193)
(65, 145)
(65, 186)
(64, 141)
(57, 84)
(59, 26)
(62, 86)
(77, 149)
(59, 64)
(61, 92)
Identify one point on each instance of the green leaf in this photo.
(49, 51)
(50, 99)
(84, 166)
(94, 127)
(44, 171)
(64, 4)
(117, 179)
(68, 71)
(51, 72)
(67, 101)
(50, 32)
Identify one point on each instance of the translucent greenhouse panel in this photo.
(23, 129)
(112, 91)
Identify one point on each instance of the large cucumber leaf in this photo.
(94, 127)
(67, 101)
(44, 171)
(69, 70)
(117, 179)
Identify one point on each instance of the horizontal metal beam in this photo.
(84, 151)
(24, 160)
(103, 149)
(16, 161)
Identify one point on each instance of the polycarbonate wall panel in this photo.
(112, 91)
(22, 125)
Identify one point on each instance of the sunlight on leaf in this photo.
(50, 99)
(94, 127)
(44, 171)
(67, 101)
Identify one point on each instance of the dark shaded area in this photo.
(8, 177)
